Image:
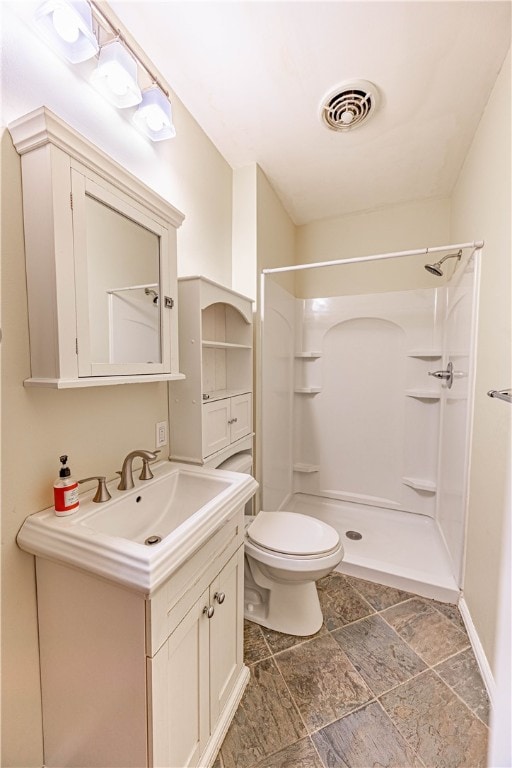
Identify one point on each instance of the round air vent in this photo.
(350, 105)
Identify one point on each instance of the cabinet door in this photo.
(226, 633)
(179, 685)
(241, 416)
(216, 427)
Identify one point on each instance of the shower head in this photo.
(150, 292)
(435, 269)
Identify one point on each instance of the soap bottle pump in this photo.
(65, 491)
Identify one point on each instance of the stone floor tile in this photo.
(461, 673)
(340, 602)
(436, 723)
(451, 612)
(322, 681)
(255, 647)
(362, 739)
(302, 754)
(278, 641)
(379, 596)
(265, 722)
(380, 656)
(430, 634)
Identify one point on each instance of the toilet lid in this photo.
(292, 533)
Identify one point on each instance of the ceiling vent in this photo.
(350, 105)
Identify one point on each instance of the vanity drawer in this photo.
(170, 603)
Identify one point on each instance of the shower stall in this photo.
(366, 403)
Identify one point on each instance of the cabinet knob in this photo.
(209, 610)
(219, 597)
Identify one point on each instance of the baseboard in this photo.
(481, 658)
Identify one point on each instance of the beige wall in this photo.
(394, 228)
(96, 426)
(245, 257)
(481, 209)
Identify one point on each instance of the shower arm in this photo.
(457, 255)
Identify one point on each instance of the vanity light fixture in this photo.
(116, 76)
(68, 28)
(154, 115)
(79, 29)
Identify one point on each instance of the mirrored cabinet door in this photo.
(120, 284)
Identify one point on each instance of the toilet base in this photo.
(293, 609)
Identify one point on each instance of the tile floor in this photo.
(389, 680)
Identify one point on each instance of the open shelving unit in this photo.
(211, 411)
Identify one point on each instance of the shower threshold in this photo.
(397, 549)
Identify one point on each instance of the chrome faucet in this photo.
(127, 470)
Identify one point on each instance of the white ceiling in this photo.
(254, 74)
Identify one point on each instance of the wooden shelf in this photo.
(101, 381)
(224, 345)
(221, 394)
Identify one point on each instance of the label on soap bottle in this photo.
(66, 500)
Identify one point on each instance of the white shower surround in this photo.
(356, 433)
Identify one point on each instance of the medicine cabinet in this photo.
(100, 251)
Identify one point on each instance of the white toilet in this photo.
(285, 554)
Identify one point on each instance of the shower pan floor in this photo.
(397, 549)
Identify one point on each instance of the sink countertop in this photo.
(73, 540)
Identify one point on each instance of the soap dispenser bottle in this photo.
(65, 491)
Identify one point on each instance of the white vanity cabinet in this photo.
(100, 251)
(211, 411)
(131, 680)
(194, 673)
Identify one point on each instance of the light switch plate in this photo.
(160, 434)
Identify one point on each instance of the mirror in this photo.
(123, 281)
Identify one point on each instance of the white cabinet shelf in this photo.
(224, 345)
(211, 411)
(220, 394)
(308, 390)
(307, 355)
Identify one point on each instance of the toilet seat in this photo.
(292, 535)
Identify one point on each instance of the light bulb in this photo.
(64, 21)
(117, 82)
(155, 118)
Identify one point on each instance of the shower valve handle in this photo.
(446, 375)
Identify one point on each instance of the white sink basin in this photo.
(155, 508)
(181, 507)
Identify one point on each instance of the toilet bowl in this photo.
(285, 554)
